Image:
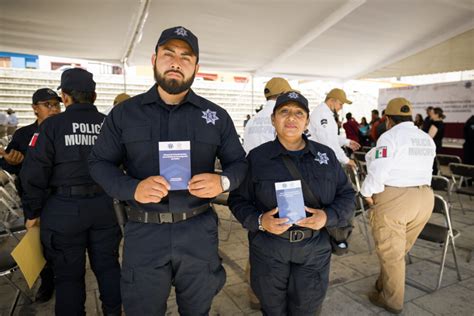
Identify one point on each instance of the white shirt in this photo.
(403, 157)
(3, 119)
(259, 129)
(323, 129)
(12, 120)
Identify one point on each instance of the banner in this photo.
(455, 98)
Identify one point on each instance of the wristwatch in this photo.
(225, 183)
(260, 226)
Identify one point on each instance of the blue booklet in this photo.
(290, 200)
(175, 163)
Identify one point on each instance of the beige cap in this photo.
(338, 94)
(399, 107)
(120, 98)
(276, 86)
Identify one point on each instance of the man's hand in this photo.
(352, 163)
(14, 157)
(274, 225)
(205, 185)
(32, 223)
(354, 145)
(151, 190)
(369, 200)
(316, 221)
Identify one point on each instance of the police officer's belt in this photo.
(78, 190)
(137, 215)
(296, 235)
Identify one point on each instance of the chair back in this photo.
(440, 183)
(462, 170)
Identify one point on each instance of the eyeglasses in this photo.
(50, 104)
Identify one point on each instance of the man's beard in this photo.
(172, 86)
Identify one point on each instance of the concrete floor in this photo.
(352, 278)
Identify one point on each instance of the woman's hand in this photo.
(316, 221)
(274, 225)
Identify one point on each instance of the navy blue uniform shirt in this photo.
(130, 137)
(58, 155)
(320, 169)
(20, 140)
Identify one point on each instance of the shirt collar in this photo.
(403, 125)
(81, 106)
(277, 148)
(152, 96)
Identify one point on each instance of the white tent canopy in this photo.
(337, 39)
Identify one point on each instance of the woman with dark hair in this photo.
(290, 262)
(418, 121)
(364, 129)
(436, 131)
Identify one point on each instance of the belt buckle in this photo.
(296, 235)
(166, 217)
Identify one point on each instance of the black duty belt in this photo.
(296, 235)
(78, 190)
(141, 216)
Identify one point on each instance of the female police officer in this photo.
(290, 263)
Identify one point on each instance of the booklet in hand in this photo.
(175, 163)
(290, 200)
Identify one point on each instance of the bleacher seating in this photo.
(18, 85)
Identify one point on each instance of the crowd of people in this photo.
(71, 165)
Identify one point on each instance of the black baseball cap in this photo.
(45, 94)
(77, 79)
(180, 33)
(292, 96)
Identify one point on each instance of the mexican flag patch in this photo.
(33, 140)
(381, 152)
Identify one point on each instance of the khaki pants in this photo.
(397, 218)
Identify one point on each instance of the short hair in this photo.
(376, 112)
(348, 116)
(81, 96)
(400, 118)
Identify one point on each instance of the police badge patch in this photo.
(210, 116)
(324, 122)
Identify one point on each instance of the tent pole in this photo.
(124, 71)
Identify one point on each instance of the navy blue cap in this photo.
(291, 96)
(45, 94)
(180, 33)
(77, 79)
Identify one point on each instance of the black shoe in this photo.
(44, 294)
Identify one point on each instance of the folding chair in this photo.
(442, 184)
(359, 157)
(443, 235)
(443, 162)
(460, 173)
(361, 205)
(7, 267)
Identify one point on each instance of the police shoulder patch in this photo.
(381, 152)
(324, 122)
(33, 140)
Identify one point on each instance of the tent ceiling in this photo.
(341, 39)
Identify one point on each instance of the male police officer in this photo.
(398, 186)
(45, 104)
(171, 236)
(259, 129)
(323, 126)
(76, 214)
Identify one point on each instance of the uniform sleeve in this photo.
(379, 163)
(343, 141)
(242, 203)
(107, 156)
(14, 144)
(36, 171)
(324, 131)
(341, 210)
(232, 155)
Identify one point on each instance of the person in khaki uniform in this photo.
(398, 188)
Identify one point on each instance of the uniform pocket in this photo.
(136, 134)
